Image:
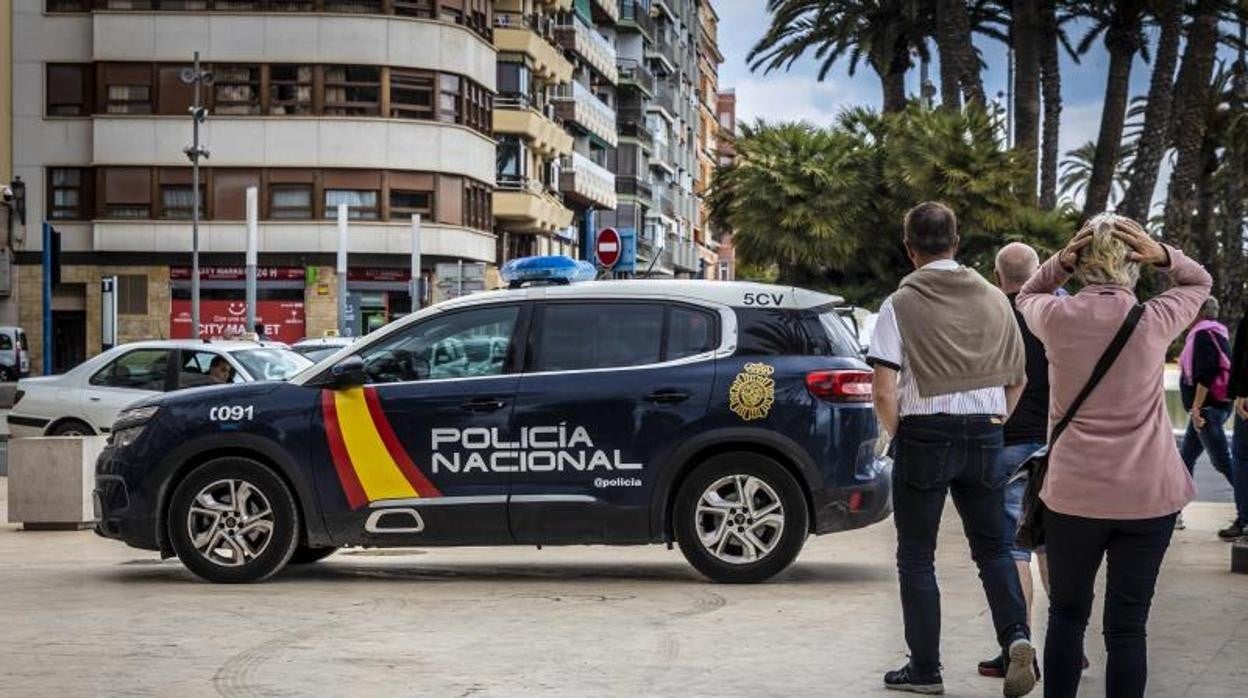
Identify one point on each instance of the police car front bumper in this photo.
(122, 511)
(867, 501)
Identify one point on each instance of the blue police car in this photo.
(731, 418)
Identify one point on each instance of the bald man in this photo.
(1027, 429)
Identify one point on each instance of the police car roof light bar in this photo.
(555, 270)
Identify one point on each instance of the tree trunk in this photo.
(1154, 139)
(1027, 36)
(967, 62)
(893, 78)
(950, 56)
(1204, 237)
(1051, 92)
(1193, 91)
(1121, 41)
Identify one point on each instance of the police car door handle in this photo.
(483, 404)
(667, 397)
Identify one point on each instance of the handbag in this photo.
(1031, 524)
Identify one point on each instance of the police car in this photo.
(733, 419)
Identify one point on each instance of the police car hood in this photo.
(210, 394)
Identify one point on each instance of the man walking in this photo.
(949, 367)
(1027, 429)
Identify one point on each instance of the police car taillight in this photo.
(840, 385)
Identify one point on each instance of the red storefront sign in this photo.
(239, 273)
(283, 320)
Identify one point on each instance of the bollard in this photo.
(1239, 556)
(50, 481)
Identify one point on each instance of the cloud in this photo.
(798, 98)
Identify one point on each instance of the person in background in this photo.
(1238, 391)
(949, 367)
(1205, 367)
(260, 331)
(1027, 429)
(1115, 480)
(219, 370)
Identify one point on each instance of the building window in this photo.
(411, 94)
(403, 203)
(512, 158)
(352, 90)
(353, 6)
(68, 89)
(476, 112)
(290, 201)
(177, 202)
(448, 99)
(290, 89)
(236, 89)
(514, 83)
(127, 192)
(424, 9)
(478, 210)
(361, 203)
(69, 6)
(129, 99)
(69, 193)
(132, 294)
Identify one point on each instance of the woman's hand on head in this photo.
(1143, 248)
(1069, 256)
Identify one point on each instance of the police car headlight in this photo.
(131, 423)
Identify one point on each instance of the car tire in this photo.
(763, 524)
(305, 556)
(71, 427)
(233, 520)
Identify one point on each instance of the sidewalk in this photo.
(86, 616)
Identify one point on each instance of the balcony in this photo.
(518, 33)
(684, 254)
(587, 43)
(525, 206)
(575, 103)
(605, 11)
(587, 182)
(634, 73)
(513, 116)
(633, 125)
(634, 15)
(632, 185)
(661, 157)
(661, 49)
(665, 100)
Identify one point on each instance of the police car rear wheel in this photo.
(740, 518)
(233, 520)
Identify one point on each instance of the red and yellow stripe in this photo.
(371, 463)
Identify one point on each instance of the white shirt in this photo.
(887, 350)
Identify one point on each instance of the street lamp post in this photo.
(197, 77)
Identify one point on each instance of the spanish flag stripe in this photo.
(378, 472)
(338, 450)
(417, 479)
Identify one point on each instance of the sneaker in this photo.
(904, 679)
(993, 668)
(1178, 522)
(1020, 673)
(1235, 530)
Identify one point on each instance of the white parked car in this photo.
(86, 399)
(317, 348)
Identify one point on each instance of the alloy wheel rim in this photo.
(739, 519)
(230, 522)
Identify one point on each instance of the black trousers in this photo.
(1133, 550)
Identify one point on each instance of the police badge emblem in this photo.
(752, 392)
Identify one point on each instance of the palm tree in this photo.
(1153, 141)
(959, 62)
(1076, 174)
(1051, 98)
(1121, 23)
(881, 32)
(1191, 98)
(1027, 34)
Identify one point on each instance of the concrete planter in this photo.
(50, 481)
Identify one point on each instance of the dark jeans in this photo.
(942, 454)
(1239, 469)
(1211, 440)
(1134, 549)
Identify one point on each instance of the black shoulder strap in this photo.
(1102, 367)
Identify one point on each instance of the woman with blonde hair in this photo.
(1115, 480)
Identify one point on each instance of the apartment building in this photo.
(384, 105)
(707, 136)
(726, 154)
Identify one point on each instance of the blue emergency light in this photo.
(551, 269)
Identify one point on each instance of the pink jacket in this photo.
(1118, 458)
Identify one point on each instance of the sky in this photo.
(797, 95)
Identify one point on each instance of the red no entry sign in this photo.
(607, 247)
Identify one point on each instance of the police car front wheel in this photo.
(740, 518)
(233, 520)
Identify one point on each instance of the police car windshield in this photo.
(271, 363)
(316, 352)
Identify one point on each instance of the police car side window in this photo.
(690, 332)
(771, 332)
(580, 336)
(458, 345)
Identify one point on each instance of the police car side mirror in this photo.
(348, 373)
